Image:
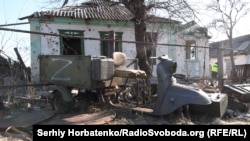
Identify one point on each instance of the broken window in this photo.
(105, 44)
(71, 43)
(190, 50)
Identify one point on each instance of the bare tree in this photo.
(176, 10)
(229, 12)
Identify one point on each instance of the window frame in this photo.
(80, 33)
(104, 34)
(191, 50)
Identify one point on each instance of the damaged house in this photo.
(96, 18)
(241, 50)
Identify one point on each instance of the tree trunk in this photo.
(139, 9)
(233, 72)
(142, 57)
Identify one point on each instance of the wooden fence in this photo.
(243, 72)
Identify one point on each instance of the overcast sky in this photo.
(242, 27)
(11, 10)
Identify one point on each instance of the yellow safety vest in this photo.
(214, 68)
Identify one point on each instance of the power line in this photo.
(88, 38)
(14, 24)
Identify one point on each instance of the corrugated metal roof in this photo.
(241, 45)
(93, 9)
(244, 45)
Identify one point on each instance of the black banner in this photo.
(197, 132)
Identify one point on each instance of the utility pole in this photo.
(220, 66)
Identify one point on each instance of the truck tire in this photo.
(59, 105)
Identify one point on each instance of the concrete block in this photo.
(217, 108)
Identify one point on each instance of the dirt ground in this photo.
(97, 113)
(101, 114)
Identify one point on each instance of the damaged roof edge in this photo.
(99, 9)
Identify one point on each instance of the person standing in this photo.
(214, 69)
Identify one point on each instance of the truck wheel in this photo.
(59, 104)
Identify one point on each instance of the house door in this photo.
(193, 68)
